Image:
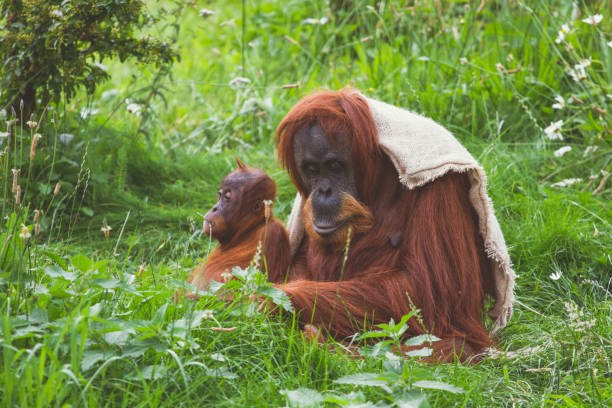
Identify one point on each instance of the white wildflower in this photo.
(564, 31)
(593, 20)
(560, 152)
(583, 64)
(553, 131)
(133, 108)
(31, 124)
(206, 13)
(321, 21)
(239, 82)
(207, 314)
(590, 149)
(463, 60)
(556, 275)
(560, 102)
(566, 182)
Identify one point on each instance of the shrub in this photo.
(51, 48)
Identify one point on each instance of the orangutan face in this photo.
(327, 173)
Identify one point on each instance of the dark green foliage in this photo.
(50, 49)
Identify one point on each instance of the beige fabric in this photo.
(422, 151)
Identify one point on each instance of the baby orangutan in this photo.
(239, 221)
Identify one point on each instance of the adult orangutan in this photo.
(240, 223)
(423, 231)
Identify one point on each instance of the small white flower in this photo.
(463, 60)
(207, 314)
(556, 275)
(560, 152)
(560, 102)
(322, 20)
(583, 64)
(206, 13)
(564, 31)
(31, 124)
(609, 44)
(133, 108)
(553, 131)
(239, 82)
(593, 20)
(590, 149)
(566, 182)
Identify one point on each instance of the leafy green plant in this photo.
(51, 49)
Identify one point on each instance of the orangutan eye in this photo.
(310, 168)
(227, 195)
(334, 165)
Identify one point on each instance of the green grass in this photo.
(90, 321)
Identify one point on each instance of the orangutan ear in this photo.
(240, 164)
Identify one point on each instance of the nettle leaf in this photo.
(57, 259)
(150, 372)
(422, 352)
(117, 337)
(91, 357)
(423, 338)
(81, 262)
(38, 315)
(438, 385)
(54, 271)
(369, 379)
(221, 372)
(277, 296)
(378, 349)
(302, 397)
(106, 283)
(160, 315)
(411, 399)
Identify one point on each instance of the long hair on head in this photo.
(345, 118)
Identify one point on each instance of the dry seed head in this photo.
(57, 188)
(267, 208)
(18, 195)
(21, 105)
(55, 117)
(176, 296)
(36, 215)
(15, 177)
(36, 229)
(35, 139)
(141, 269)
(106, 230)
(25, 233)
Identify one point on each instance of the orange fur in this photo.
(423, 249)
(242, 232)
